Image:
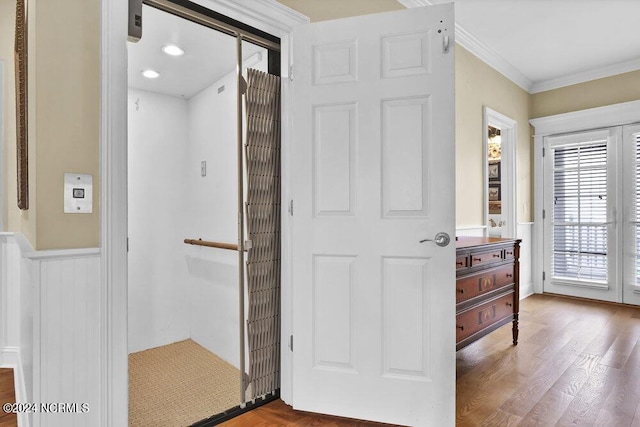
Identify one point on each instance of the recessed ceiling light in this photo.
(151, 74)
(172, 50)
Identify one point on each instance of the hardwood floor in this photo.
(577, 363)
(7, 395)
(277, 413)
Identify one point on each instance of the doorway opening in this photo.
(500, 174)
(192, 157)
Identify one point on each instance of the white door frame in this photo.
(508, 176)
(266, 15)
(593, 118)
(2, 152)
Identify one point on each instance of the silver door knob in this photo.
(441, 239)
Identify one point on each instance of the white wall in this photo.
(160, 208)
(178, 291)
(214, 272)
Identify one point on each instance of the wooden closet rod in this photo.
(219, 245)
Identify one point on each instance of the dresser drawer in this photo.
(462, 262)
(509, 253)
(483, 282)
(485, 257)
(482, 316)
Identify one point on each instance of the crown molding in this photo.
(489, 56)
(481, 50)
(585, 76)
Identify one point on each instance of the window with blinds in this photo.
(579, 233)
(636, 219)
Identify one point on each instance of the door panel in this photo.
(581, 223)
(631, 212)
(373, 166)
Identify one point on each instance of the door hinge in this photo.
(544, 214)
(291, 72)
(291, 207)
(544, 276)
(542, 151)
(291, 342)
(127, 245)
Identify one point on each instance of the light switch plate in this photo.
(78, 193)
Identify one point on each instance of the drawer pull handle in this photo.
(460, 327)
(461, 291)
(509, 275)
(477, 259)
(460, 263)
(509, 304)
(496, 255)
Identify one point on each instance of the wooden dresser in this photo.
(487, 287)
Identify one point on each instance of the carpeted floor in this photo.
(179, 384)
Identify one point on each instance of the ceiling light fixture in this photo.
(151, 74)
(172, 50)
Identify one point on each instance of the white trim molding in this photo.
(468, 41)
(471, 230)
(509, 132)
(582, 120)
(504, 67)
(585, 76)
(592, 118)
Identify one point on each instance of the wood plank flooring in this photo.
(577, 363)
(7, 395)
(277, 413)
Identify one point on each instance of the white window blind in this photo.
(580, 212)
(636, 218)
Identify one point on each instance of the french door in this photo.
(591, 215)
(631, 214)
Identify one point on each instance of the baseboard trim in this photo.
(599, 301)
(526, 290)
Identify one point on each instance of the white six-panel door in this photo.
(373, 165)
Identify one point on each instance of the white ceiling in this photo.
(544, 44)
(209, 55)
(538, 44)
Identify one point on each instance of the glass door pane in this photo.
(631, 209)
(580, 197)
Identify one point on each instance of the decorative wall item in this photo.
(494, 192)
(494, 171)
(21, 104)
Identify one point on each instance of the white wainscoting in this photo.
(50, 329)
(524, 231)
(67, 362)
(471, 230)
(16, 314)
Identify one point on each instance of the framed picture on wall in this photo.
(494, 192)
(494, 171)
(495, 208)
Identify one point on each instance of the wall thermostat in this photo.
(78, 193)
